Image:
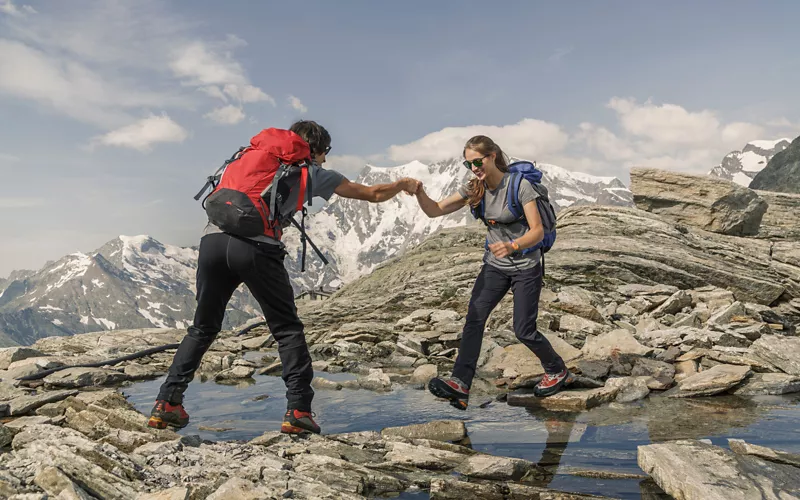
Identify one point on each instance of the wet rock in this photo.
(325, 384)
(663, 373)
(742, 447)
(783, 352)
(495, 468)
(568, 400)
(629, 388)
(438, 430)
(376, 380)
(9, 355)
(693, 470)
(83, 377)
(236, 373)
(713, 381)
(620, 341)
(759, 384)
(424, 373)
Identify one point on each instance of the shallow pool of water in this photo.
(604, 438)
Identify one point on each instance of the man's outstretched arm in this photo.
(378, 192)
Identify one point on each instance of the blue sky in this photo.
(114, 111)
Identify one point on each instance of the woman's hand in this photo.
(501, 249)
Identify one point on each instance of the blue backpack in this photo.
(526, 170)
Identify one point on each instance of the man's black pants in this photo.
(224, 263)
(489, 289)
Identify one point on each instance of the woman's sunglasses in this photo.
(478, 162)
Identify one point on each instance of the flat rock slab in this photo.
(691, 470)
(742, 447)
(715, 380)
(84, 377)
(569, 400)
(438, 430)
(759, 384)
(618, 341)
(783, 352)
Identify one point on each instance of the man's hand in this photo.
(501, 249)
(409, 185)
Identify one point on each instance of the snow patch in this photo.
(84, 319)
(57, 322)
(110, 325)
(768, 144)
(742, 179)
(152, 319)
(181, 325)
(49, 308)
(99, 284)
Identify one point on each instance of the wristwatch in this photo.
(515, 245)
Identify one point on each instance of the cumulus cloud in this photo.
(143, 134)
(297, 104)
(528, 138)
(7, 7)
(226, 115)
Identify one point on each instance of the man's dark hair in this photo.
(313, 133)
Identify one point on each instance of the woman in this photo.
(505, 267)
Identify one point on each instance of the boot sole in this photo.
(555, 389)
(287, 428)
(455, 401)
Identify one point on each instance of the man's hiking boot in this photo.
(299, 422)
(165, 415)
(451, 389)
(553, 383)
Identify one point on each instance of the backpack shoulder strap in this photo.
(512, 200)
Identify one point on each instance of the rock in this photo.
(577, 301)
(56, 483)
(424, 373)
(22, 422)
(662, 373)
(6, 435)
(783, 352)
(674, 304)
(243, 489)
(482, 466)
(711, 338)
(135, 371)
(438, 430)
(702, 201)
(423, 457)
(444, 316)
(637, 289)
(376, 380)
(325, 384)
(665, 338)
(656, 251)
(581, 399)
(82, 377)
(593, 368)
(236, 373)
(740, 447)
(573, 324)
(346, 476)
(176, 493)
(759, 384)
(26, 404)
(256, 343)
(629, 388)
(271, 369)
(692, 470)
(518, 361)
(620, 341)
(10, 355)
(715, 380)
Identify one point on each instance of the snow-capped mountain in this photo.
(742, 166)
(361, 235)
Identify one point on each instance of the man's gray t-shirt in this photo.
(497, 209)
(324, 184)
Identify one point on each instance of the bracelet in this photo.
(514, 245)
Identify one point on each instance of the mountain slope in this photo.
(782, 174)
(742, 166)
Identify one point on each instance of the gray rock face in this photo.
(783, 352)
(715, 380)
(692, 470)
(782, 219)
(700, 201)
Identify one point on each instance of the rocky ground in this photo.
(638, 304)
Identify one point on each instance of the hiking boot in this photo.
(299, 422)
(451, 389)
(165, 414)
(552, 383)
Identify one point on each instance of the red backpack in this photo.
(258, 190)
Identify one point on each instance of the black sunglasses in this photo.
(327, 150)
(478, 162)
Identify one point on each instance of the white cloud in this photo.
(8, 7)
(528, 138)
(349, 165)
(297, 104)
(142, 134)
(247, 93)
(226, 115)
(665, 124)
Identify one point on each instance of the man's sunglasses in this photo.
(478, 162)
(327, 150)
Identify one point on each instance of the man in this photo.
(225, 261)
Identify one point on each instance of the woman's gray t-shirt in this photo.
(497, 209)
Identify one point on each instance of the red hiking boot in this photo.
(299, 422)
(165, 415)
(451, 389)
(552, 383)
